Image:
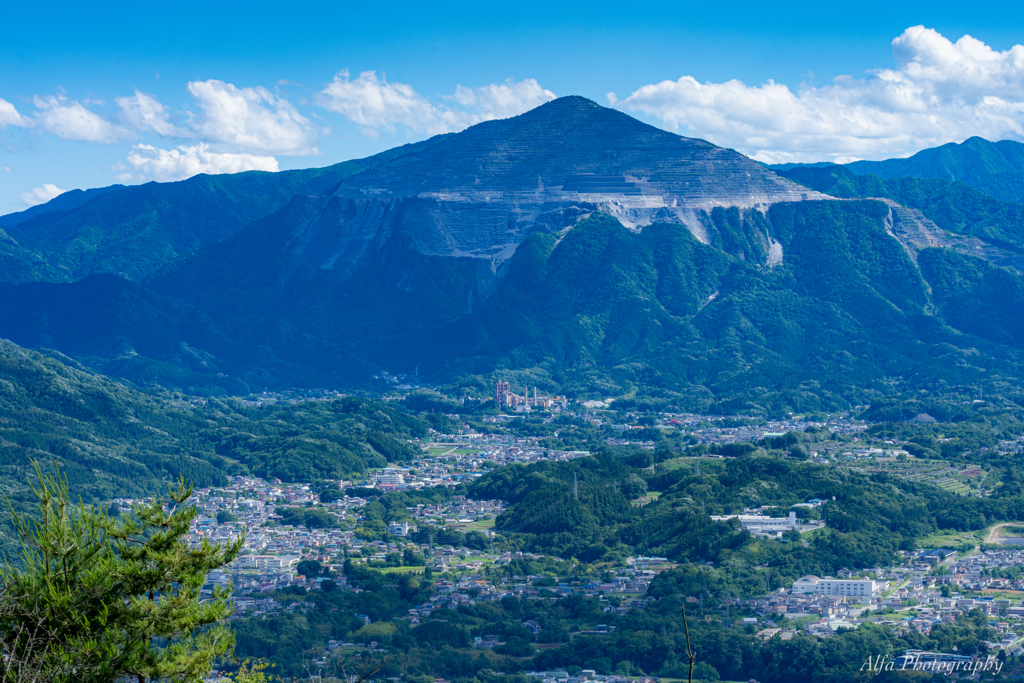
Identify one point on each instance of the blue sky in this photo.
(97, 93)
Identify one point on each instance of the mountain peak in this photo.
(574, 115)
(478, 194)
(531, 157)
(567, 102)
(574, 106)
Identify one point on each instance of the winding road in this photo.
(997, 527)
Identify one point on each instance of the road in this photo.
(991, 534)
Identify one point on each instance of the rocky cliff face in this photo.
(478, 194)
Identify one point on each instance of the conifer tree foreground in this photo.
(99, 599)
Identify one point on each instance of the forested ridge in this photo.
(114, 441)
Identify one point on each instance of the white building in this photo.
(759, 524)
(403, 529)
(858, 588)
(265, 562)
(390, 476)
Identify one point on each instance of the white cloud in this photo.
(374, 104)
(72, 121)
(6, 169)
(9, 116)
(145, 112)
(510, 98)
(940, 92)
(251, 120)
(41, 195)
(153, 163)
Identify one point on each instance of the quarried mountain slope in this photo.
(478, 194)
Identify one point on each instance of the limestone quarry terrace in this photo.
(480, 192)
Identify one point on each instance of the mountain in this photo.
(697, 274)
(995, 168)
(953, 206)
(62, 202)
(474, 197)
(134, 231)
(580, 250)
(414, 244)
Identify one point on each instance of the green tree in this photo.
(634, 487)
(309, 568)
(411, 558)
(705, 672)
(112, 598)
(331, 494)
(252, 673)
(224, 516)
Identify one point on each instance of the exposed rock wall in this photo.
(478, 194)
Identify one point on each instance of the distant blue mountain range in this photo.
(995, 168)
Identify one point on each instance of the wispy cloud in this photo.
(9, 116)
(375, 104)
(143, 112)
(153, 163)
(41, 195)
(238, 129)
(941, 91)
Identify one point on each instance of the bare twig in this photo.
(689, 650)
(362, 668)
(31, 647)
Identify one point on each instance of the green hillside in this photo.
(607, 310)
(995, 168)
(597, 310)
(116, 442)
(953, 206)
(134, 231)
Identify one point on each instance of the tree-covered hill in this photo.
(111, 438)
(953, 206)
(19, 264)
(123, 329)
(133, 231)
(113, 441)
(604, 309)
(869, 518)
(994, 168)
